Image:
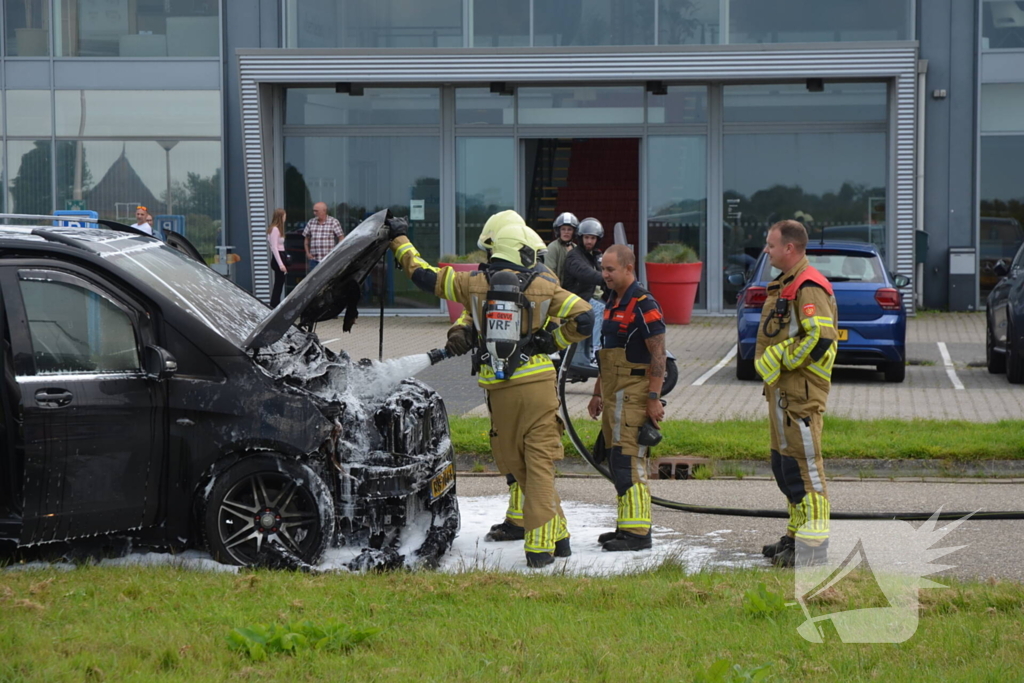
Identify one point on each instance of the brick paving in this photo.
(927, 392)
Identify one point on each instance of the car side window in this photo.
(75, 327)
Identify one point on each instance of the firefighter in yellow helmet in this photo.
(796, 346)
(460, 341)
(509, 303)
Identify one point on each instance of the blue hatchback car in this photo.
(872, 318)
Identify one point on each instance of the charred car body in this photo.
(147, 397)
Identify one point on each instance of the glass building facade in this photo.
(781, 111)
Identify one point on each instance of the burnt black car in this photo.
(1004, 318)
(148, 397)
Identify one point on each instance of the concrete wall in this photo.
(947, 31)
(247, 24)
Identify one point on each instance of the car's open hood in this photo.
(332, 287)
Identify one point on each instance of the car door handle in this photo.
(53, 398)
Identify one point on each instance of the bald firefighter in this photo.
(796, 346)
(509, 304)
(628, 393)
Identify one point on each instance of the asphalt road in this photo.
(991, 548)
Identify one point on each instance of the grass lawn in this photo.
(166, 624)
(841, 438)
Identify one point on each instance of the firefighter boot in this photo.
(773, 549)
(801, 555)
(538, 560)
(505, 532)
(607, 536)
(628, 541)
(562, 548)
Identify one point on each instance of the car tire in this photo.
(671, 376)
(996, 362)
(745, 369)
(894, 372)
(267, 499)
(1014, 358)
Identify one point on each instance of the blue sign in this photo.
(168, 223)
(75, 224)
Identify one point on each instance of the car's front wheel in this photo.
(996, 362)
(1014, 358)
(264, 500)
(894, 372)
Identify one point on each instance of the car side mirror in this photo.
(1001, 269)
(737, 279)
(158, 363)
(900, 281)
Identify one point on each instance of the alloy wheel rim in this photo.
(267, 508)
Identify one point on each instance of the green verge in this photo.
(841, 438)
(165, 624)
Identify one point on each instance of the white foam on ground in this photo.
(471, 552)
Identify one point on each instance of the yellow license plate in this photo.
(442, 481)
(843, 335)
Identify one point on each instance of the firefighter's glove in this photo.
(544, 342)
(397, 227)
(769, 365)
(460, 341)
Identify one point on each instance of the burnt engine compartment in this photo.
(389, 441)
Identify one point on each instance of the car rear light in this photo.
(755, 297)
(889, 299)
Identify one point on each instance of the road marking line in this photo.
(948, 362)
(330, 341)
(721, 364)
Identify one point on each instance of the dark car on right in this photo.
(1004, 328)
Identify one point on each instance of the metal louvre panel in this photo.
(897, 61)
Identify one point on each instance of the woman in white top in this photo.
(275, 239)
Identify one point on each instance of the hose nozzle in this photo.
(437, 355)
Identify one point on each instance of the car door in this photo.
(94, 425)
(998, 299)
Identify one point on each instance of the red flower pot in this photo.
(674, 286)
(455, 309)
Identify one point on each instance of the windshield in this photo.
(840, 266)
(225, 308)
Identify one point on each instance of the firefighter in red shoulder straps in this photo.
(628, 394)
(510, 302)
(796, 347)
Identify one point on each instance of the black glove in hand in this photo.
(397, 227)
(543, 342)
(459, 341)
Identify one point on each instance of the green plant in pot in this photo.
(673, 275)
(461, 262)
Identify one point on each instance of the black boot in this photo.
(773, 549)
(562, 548)
(627, 541)
(538, 560)
(505, 532)
(607, 536)
(801, 555)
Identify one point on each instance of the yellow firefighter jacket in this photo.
(470, 289)
(797, 347)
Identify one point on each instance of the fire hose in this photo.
(577, 442)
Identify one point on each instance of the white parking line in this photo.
(721, 364)
(331, 341)
(948, 362)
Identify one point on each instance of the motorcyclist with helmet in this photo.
(510, 302)
(583, 278)
(559, 249)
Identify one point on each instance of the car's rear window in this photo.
(840, 266)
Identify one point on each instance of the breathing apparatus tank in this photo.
(503, 316)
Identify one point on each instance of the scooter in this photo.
(585, 373)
